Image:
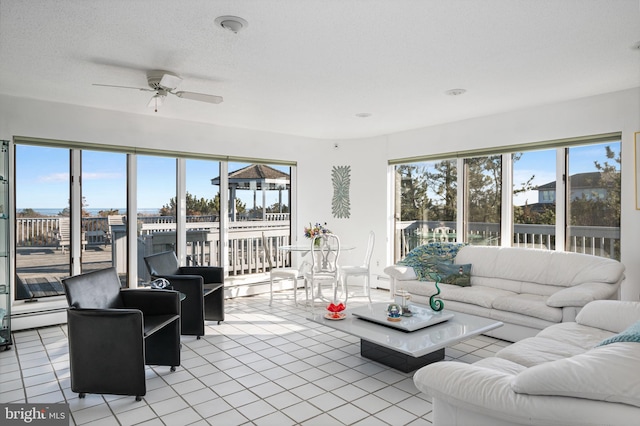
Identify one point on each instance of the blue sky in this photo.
(42, 179)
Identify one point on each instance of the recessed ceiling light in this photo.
(456, 92)
(363, 115)
(231, 23)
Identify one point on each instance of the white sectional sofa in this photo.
(559, 377)
(527, 289)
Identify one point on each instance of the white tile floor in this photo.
(262, 366)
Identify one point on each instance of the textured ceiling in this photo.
(308, 67)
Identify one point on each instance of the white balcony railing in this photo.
(594, 240)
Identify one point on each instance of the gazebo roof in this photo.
(264, 177)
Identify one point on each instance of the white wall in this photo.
(614, 112)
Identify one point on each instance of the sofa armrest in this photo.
(488, 392)
(152, 301)
(401, 272)
(611, 315)
(580, 295)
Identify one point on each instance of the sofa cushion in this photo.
(534, 351)
(528, 304)
(631, 334)
(547, 267)
(476, 295)
(606, 373)
(575, 334)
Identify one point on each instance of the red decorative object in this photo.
(336, 309)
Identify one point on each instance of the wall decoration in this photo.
(340, 204)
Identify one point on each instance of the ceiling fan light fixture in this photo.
(156, 101)
(231, 23)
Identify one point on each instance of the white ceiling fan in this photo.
(163, 83)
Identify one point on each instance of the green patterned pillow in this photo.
(454, 274)
(631, 334)
(424, 258)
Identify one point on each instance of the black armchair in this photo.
(203, 286)
(114, 332)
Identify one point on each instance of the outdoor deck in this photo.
(41, 269)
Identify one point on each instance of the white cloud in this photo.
(95, 176)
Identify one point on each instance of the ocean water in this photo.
(92, 211)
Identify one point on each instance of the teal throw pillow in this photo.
(631, 334)
(454, 274)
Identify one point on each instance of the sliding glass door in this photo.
(43, 232)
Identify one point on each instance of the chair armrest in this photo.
(210, 274)
(152, 301)
(153, 323)
(191, 285)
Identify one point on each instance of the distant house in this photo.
(581, 184)
(587, 184)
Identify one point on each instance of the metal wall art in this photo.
(340, 204)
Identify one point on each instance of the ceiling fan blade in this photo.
(170, 81)
(124, 87)
(212, 99)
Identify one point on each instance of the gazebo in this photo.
(256, 177)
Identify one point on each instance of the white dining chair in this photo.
(363, 270)
(324, 267)
(282, 273)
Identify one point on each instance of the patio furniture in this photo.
(114, 332)
(63, 234)
(361, 270)
(202, 285)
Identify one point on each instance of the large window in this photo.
(72, 213)
(561, 198)
(483, 199)
(43, 233)
(426, 200)
(593, 200)
(202, 213)
(104, 208)
(534, 201)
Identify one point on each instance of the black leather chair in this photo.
(114, 332)
(203, 286)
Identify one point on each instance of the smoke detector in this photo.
(231, 23)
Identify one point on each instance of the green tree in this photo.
(484, 180)
(442, 181)
(413, 192)
(199, 206)
(110, 212)
(28, 213)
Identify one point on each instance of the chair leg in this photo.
(270, 290)
(345, 288)
(295, 291)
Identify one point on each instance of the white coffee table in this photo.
(407, 350)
